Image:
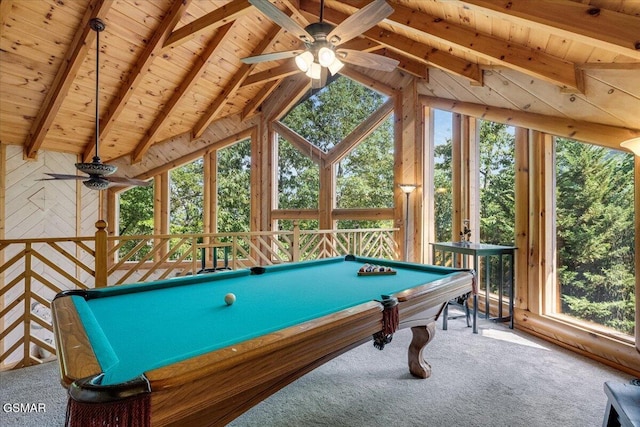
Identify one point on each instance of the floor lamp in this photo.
(407, 189)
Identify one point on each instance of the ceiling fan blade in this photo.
(366, 59)
(360, 22)
(62, 176)
(274, 56)
(280, 18)
(122, 181)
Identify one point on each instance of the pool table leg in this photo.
(422, 335)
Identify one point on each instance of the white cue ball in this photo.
(229, 299)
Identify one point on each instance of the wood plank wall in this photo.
(31, 208)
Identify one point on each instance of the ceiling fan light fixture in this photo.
(326, 56)
(335, 66)
(96, 184)
(315, 71)
(96, 168)
(304, 61)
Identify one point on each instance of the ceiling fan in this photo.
(99, 173)
(322, 41)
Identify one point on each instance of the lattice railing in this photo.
(33, 271)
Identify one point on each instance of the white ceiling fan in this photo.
(322, 41)
(99, 173)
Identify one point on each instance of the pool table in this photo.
(172, 352)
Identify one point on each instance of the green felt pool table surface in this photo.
(172, 353)
(141, 327)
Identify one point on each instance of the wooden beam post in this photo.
(101, 254)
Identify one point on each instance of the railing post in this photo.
(295, 250)
(101, 254)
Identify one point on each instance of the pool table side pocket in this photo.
(75, 354)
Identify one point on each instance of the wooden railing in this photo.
(33, 271)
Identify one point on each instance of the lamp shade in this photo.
(633, 145)
(304, 61)
(407, 188)
(326, 56)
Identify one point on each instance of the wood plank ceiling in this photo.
(170, 67)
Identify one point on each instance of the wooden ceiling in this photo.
(172, 67)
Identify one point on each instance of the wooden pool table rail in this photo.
(214, 388)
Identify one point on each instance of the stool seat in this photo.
(623, 406)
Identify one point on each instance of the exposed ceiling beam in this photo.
(407, 64)
(594, 133)
(276, 73)
(426, 54)
(606, 29)
(252, 107)
(142, 65)
(299, 85)
(234, 84)
(415, 68)
(407, 47)
(369, 81)
(522, 58)
(209, 22)
(69, 67)
(197, 68)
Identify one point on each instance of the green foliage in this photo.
(234, 179)
(298, 178)
(185, 186)
(595, 234)
(136, 218)
(328, 116)
(364, 177)
(136, 211)
(497, 184)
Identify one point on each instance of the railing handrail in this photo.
(33, 270)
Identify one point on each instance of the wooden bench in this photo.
(623, 407)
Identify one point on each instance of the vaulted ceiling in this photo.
(173, 67)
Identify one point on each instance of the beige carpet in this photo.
(497, 378)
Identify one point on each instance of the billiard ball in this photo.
(229, 298)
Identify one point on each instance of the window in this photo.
(595, 235)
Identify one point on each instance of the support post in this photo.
(101, 254)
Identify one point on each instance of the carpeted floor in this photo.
(499, 377)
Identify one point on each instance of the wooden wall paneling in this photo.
(522, 198)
